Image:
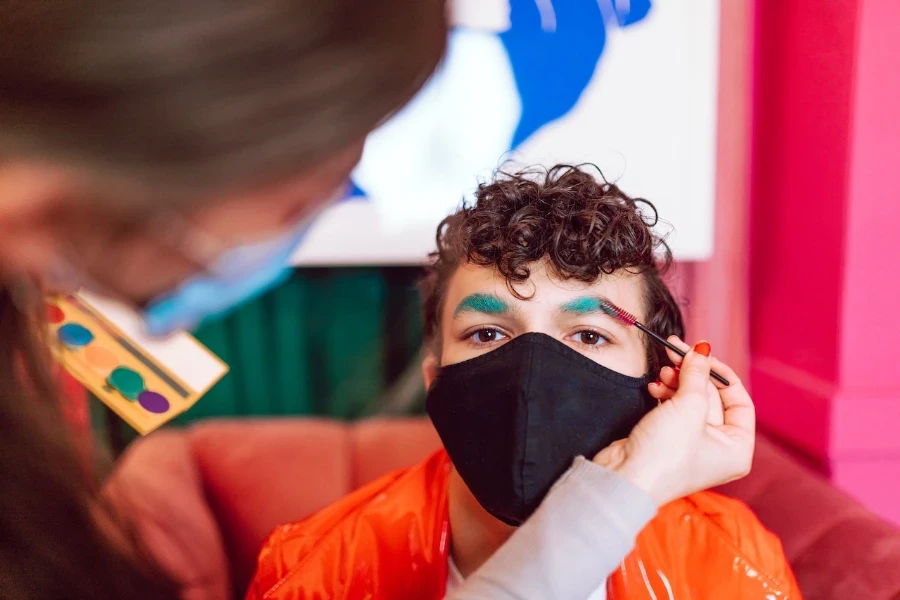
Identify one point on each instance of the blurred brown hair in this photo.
(583, 227)
(58, 537)
(195, 96)
(207, 93)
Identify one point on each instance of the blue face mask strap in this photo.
(230, 281)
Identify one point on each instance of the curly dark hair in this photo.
(584, 227)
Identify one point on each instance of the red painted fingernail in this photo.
(657, 382)
(703, 348)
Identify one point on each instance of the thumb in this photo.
(612, 456)
(694, 375)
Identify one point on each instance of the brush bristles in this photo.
(617, 313)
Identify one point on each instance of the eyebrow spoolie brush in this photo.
(630, 320)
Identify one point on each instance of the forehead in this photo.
(543, 292)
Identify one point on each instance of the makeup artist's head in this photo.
(138, 141)
(524, 369)
(140, 135)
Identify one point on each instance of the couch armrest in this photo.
(837, 548)
(260, 473)
(156, 486)
(384, 444)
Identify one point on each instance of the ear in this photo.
(430, 368)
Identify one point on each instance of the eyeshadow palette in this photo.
(147, 382)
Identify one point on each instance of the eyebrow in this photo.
(587, 305)
(488, 304)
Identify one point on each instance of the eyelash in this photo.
(591, 347)
(470, 337)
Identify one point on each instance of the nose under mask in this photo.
(514, 419)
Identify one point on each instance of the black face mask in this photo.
(514, 419)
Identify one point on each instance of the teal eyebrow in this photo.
(587, 305)
(481, 303)
(582, 306)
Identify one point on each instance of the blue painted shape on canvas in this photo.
(552, 68)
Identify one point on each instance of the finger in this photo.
(669, 376)
(738, 407)
(694, 377)
(716, 414)
(661, 391)
(676, 359)
(736, 402)
(724, 370)
(679, 343)
(611, 456)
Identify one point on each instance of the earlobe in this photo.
(429, 369)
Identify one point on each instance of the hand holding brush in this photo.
(698, 437)
(630, 320)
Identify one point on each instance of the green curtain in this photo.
(328, 342)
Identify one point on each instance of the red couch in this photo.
(207, 497)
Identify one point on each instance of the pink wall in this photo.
(803, 80)
(825, 205)
(865, 437)
(717, 289)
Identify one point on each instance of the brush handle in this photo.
(678, 351)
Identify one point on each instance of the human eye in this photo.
(486, 336)
(589, 338)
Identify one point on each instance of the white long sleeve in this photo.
(578, 536)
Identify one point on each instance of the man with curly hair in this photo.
(526, 373)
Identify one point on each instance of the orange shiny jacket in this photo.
(391, 538)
